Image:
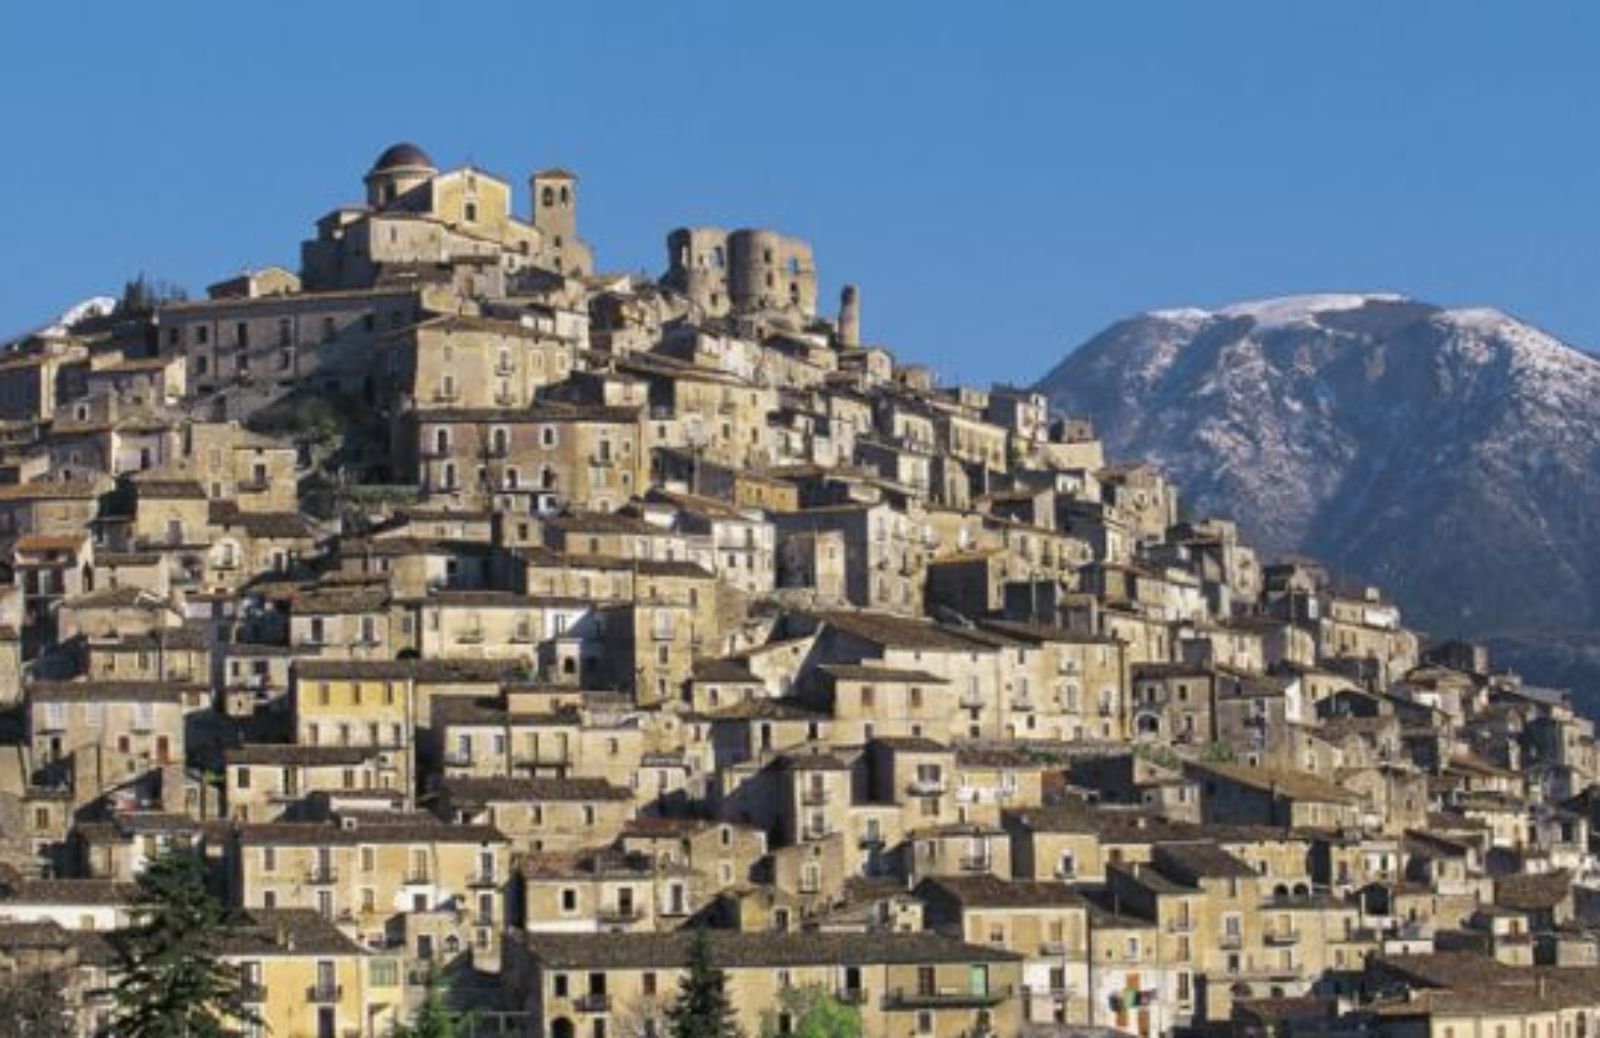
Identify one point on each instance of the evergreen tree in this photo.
(701, 1009)
(435, 1019)
(173, 984)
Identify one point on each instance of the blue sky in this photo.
(1002, 179)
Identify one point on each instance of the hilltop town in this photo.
(476, 614)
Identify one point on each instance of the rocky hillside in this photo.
(1451, 455)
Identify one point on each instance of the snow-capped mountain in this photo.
(1452, 455)
(94, 306)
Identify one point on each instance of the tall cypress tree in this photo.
(701, 1009)
(173, 983)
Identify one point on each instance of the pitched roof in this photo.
(993, 892)
(533, 790)
(737, 949)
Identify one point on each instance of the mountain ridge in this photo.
(1452, 454)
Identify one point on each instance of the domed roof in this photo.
(404, 154)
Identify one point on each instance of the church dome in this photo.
(401, 156)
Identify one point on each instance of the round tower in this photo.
(850, 317)
(753, 259)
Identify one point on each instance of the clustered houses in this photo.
(475, 612)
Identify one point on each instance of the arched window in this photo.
(441, 441)
(501, 441)
(566, 197)
(548, 197)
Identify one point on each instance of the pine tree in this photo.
(434, 1018)
(701, 1009)
(173, 984)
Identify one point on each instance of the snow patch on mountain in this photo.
(94, 306)
(1286, 311)
(1451, 454)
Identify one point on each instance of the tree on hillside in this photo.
(812, 1013)
(701, 1009)
(174, 985)
(435, 1018)
(142, 295)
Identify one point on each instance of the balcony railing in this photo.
(483, 880)
(925, 787)
(976, 862)
(945, 998)
(322, 874)
(1230, 941)
(325, 994)
(1282, 938)
(813, 797)
(593, 1002)
(618, 915)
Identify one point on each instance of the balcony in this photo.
(851, 996)
(483, 880)
(1023, 706)
(1230, 941)
(539, 759)
(1053, 948)
(325, 994)
(457, 759)
(946, 998)
(925, 787)
(813, 797)
(593, 1002)
(418, 879)
(870, 841)
(976, 862)
(618, 915)
(1180, 925)
(321, 875)
(1282, 938)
